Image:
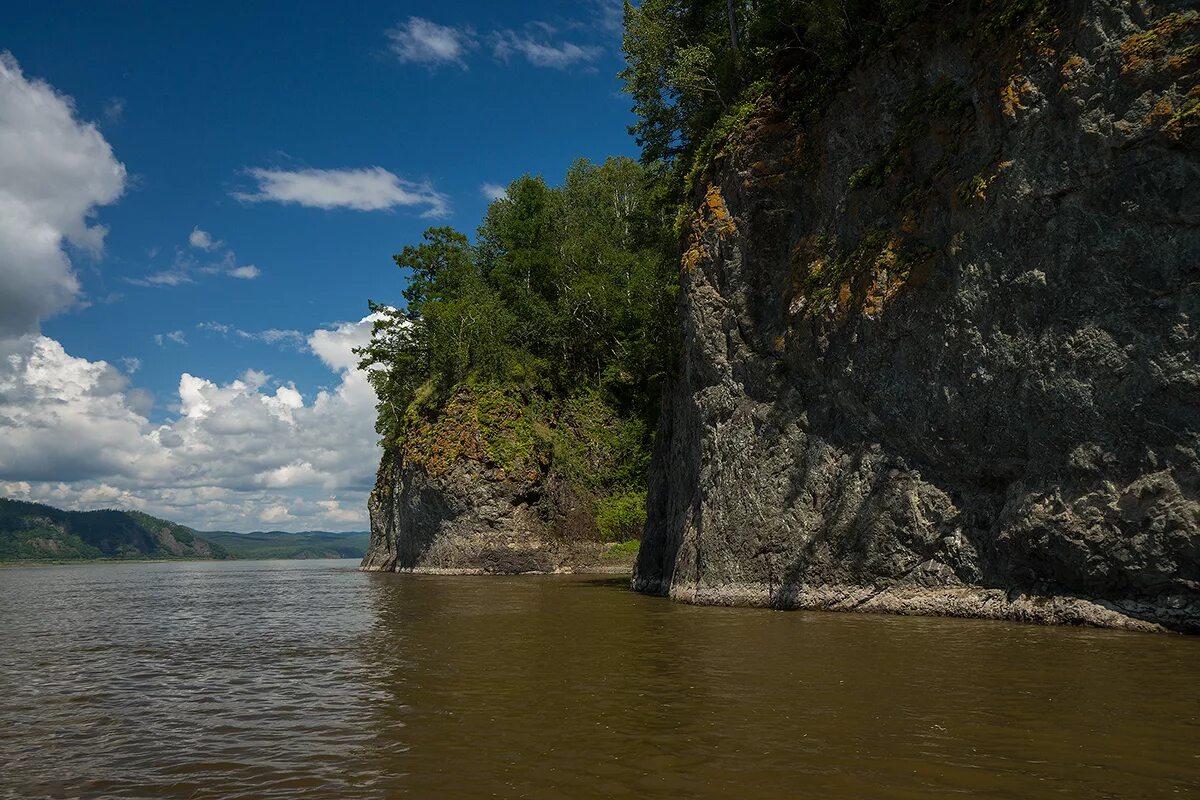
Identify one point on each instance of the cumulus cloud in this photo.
(66, 419)
(419, 41)
(493, 191)
(339, 514)
(536, 45)
(56, 171)
(368, 189)
(335, 346)
(177, 337)
(234, 454)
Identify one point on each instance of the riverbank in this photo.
(610, 559)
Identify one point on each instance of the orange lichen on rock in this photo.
(1013, 95)
(712, 217)
(1144, 50)
(1186, 120)
(886, 278)
(1163, 110)
(439, 444)
(1070, 70)
(722, 222)
(861, 283)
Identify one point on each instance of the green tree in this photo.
(566, 289)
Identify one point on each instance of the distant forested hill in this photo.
(281, 544)
(36, 532)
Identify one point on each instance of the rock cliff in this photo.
(477, 489)
(941, 346)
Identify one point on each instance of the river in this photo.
(310, 679)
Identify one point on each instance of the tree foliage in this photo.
(565, 289)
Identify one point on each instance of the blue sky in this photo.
(274, 156)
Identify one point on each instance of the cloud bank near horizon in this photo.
(76, 433)
(235, 455)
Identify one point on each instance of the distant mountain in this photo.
(282, 544)
(36, 532)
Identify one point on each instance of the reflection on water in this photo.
(309, 679)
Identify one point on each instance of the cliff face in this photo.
(941, 350)
(476, 490)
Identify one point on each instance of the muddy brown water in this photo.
(310, 679)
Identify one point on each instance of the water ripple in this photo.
(309, 679)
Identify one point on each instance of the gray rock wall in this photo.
(940, 349)
(473, 519)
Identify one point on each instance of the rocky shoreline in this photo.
(974, 602)
(623, 568)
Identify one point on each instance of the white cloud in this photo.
(55, 171)
(336, 346)
(276, 514)
(368, 189)
(248, 272)
(610, 15)
(419, 41)
(235, 455)
(493, 191)
(336, 513)
(114, 109)
(131, 364)
(66, 419)
(202, 240)
(166, 277)
(535, 44)
(278, 336)
(186, 267)
(76, 434)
